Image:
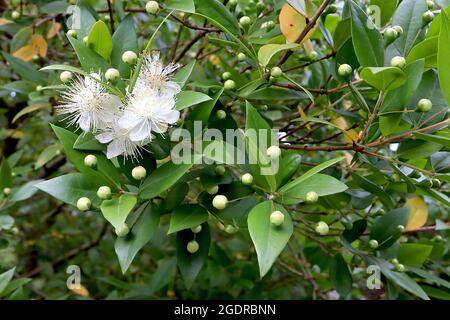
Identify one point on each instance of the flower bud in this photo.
(230, 229)
(245, 21)
(322, 228)
(430, 4)
(66, 76)
(152, 7)
(72, 33)
(220, 114)
(390, 35)
(373, 244)
(398, 62)
(313, 55)
(129, 57)
(39, 88)
(15, 15)
(241, 56)
(220, 202)
(112, 75)
(268, 25)
(197, 229)
(229, 85)
(6, 191)
(394, 261)
(122, 231)
(273, 152)
(84, 204)
(436, 183)
(220, 170)
(277, 218)
(427, 17)
(139, 173)
(90, 161)
(233, 3)
(276, 72)
(226, 75)
(399, 30)
(424, 105)
(104, 192)
(212, 189)
(311, 197)
(345, 70)
(400, 228)
(192, 246)
(400, 267)
(247, 179)
(85, 39)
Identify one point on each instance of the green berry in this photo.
(430, 4)
(311, 197)
(66, 76)
(398, 62)
(400, 228)
(220, 170)
(394, 261)
(90, 161)
(197, 229)
(212, 189)
(220, 114)
(226, 75)
(345, 70)
(313, 55)
(276, 72)
(7, 191)
(229, 85)
(139, 173)
(72, 33)
(104, 192)
(39, 88)
(245, 21)
(273, 152)
(427, 17)
(400, 267)
(277, 218)
(129, 57)
(399, 30)
(269, 25)
(424, 105)
(247, 179)
(436, 183)
(373, 244)
(229, 228)
(241, 56)
(233, 3)
(85, 39)
(192, 246)
(322, 228)
(84, 204)
(220, 202)
(152, 7)
(15, 15)
(122, 231)
(390, 35)
(112, 75)
(426, 183)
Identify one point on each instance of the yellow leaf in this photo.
(39, 44)
(418, 213)
(292, 24)
(56, 27)
(349, 135)
(80, 290)
(25, 53)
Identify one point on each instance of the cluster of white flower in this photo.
(126, 126)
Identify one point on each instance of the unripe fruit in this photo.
(233, 3)
(90, 161)
(331, 8)
(427, 17)
(192, 246)
(129, 57)
(247, 179)
(220, 170)
(398, 62)
(269, 25)
(390, 35)
(438, 238)
(226, 75)
(197, 229)
(85, 39)
(72, 33)
(400, 267)
(373, 244)
(220, 114)
(426, 183)
(112, 75)
(84, 204)
(241, 56)
(220, 202)
(311, 197)
(277, 218)
(66, 76)
(322, 228)
(400, 228)
(104, 192)
(152, 7)
(436, 183)
(394, 261)
(313, 55)
(122, 231)
(139, 173)
(424, 105)
(245, 21)
(345, 70)
(276, 72)
(273, 152)
(229, 85)
(430, 4)
(39, 88)
(6, 191)
(212, 190)
(399, 30)
(230, 229)
(15, 15)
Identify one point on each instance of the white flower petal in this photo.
(104, 137)
(140, 132)
(114, 149)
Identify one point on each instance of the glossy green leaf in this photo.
(427, 49)
(5, 278)
(413, 254)
(124, 39)
(5, 175)
(435, 138)
(385, 230)
(357, 230)
(340, 275)
(116, 210)
(289, 165)
(182, 75)
(187, 216)
(100, 40)
(266, 52)
(385, 78)
(87, 141)
(90, 60)
(443, 55)
(25, 69)
(387, 9)
(203, 111)
(219, 15)
(373, 188)
(186, 99)
(181, 5)
(25, 191)
(269, 240)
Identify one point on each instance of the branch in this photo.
(111, 15)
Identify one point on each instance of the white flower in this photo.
(119, 142)
(88, 104)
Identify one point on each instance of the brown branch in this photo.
(111, 15)
(330, 55)
(372, 117)
(190, 44)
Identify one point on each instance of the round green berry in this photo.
(112, 75)
(313, 55)
(72, 33)
(139, 173)
(311, 197)
(229, 228)
(129, 57)
(241, 56)
(245, 21)
(400, 228)
(122, 231)
(220, 170)
(220, 202)
(197, 229)
(390, 35)
(345, 70)
(373, 244)
(66, 76)
(212, 189)
(247, 179)
(322, 228)
(273, 152)
(104, 192)
(400, 267)
(15, 15)
(277, 218)
(226, 75)
(192, 246)
(427, 17)
(90, 161)
(276, 72)
(398, 62)
(430, 4)
(7, 191)
(84, 204)
(399, 30)
(424, 105)
(152, 7)
(221, 114)
(436, 183)
(229, 85)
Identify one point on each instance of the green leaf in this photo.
(25, 69)
(443, 55)
(25, 191)
(387, 8)
(124, 39)
(203, 111)
(357, 230)
(266, 52)
(191, 264)
(310, 173)
(413, 254)
(385, 78)
(182, 76)
(47, 154)
(385, 230)
(186, 99)
(100, 40)
(288, 167)
(142, 232)
(340, 275)
(269, 240)
(71, 187)
(219, 15)
(176, 195)
(164, 274)
(29, 109)
(373, 188)
(367, 40)
(5, 278)
(187, 216)
(436, 138)
(90, 60)
(322, 184)
(162, 179)
(5, 175)
(409, 16)
(417, 149)
(116, 210)
(427, 49)
(181, 5)
(87, 141)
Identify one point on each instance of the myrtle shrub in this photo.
(221, 149)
